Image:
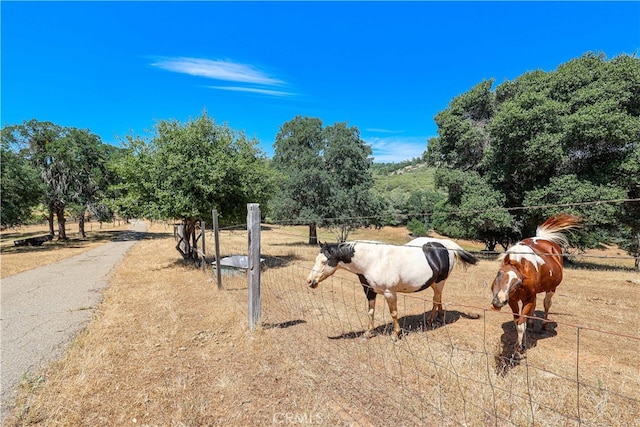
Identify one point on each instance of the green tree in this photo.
(21, 188)
(33, 139)
(71, 173)
(68, 161)
(600, 219)
(473, 210)
(347, 163)
(580, 121)
(421, 203)
(304, 185)
(462, 129)
(417, 228)
(83, 158)
(188, 169)
(394, 206)
(131, 192)
(327, 177)
(628, 177)
(526, 145)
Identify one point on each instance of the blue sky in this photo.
(388, 68)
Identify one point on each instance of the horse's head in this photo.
(505, 283)
(331, 254)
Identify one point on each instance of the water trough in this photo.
(235, 264)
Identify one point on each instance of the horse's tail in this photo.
(552, 227)
(466, 258)
(461, 256)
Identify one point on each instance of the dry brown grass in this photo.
(167, 348)
(16, 259)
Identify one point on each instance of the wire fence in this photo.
(462, 371)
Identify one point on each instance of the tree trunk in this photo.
(344, 233)
(313, 236)
(50, 218)
(181, 246)
(637, 254)
(192, 240)
(490, 244)
(81, 226)
(62, 233)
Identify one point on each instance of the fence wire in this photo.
(460, 373)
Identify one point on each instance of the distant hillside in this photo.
(408, 178)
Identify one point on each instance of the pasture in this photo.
(166, 347)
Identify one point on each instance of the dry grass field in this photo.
(167, 348)
(15, 259)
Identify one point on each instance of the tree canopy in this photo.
(21, 188)
(325, 177)
(188, 169)
(69, 161)
(567, 136)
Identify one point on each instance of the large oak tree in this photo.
(69, 162)
(326, 177)
(188, 169)
(567, 136)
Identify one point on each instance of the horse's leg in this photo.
(517, 320)
(437, 303)
(528, 307)
(371, 302)
(392, 302)
(515, 309)
(547, 306)
(531, 320)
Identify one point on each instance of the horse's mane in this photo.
(341, 250)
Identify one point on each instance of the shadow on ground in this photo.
(416, 323)
(510, 356)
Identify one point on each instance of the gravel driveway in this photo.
(42, 310)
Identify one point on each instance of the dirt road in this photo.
(42, 310)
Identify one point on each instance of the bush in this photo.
(417, 228)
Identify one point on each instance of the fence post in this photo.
(253, 231)
(216, 235)
(203, 230)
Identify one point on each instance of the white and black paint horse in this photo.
(388, 269)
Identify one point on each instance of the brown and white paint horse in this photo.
(387, 269)
(532, 266)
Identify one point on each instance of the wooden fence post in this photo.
(253, 229)
(203, 230)
(216, 235)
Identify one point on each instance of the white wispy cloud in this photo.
(396, 148)
(218, 70)
(252, 90)
(378, 130)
